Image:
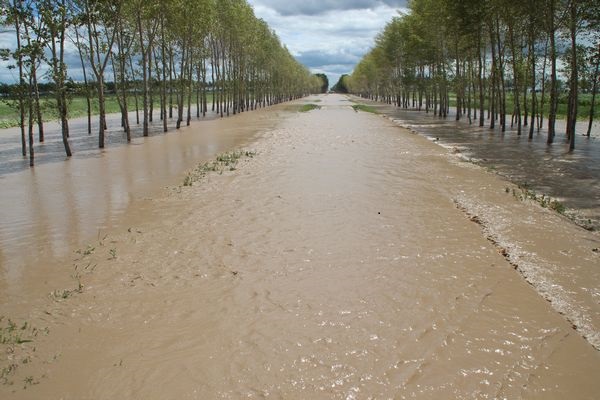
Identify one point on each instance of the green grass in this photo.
(309, 107)
(9, 116)
(364, 108)
(583, 105)
(17, 346)
(225, 161)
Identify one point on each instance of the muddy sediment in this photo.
(333, 264)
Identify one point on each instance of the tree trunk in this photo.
(553, 77)
(480, 77)
(88, 94)
(574, 81)
(17, 7)
(144, 55)
(517, 81)
(594, 91)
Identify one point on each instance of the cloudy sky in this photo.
(328, 36)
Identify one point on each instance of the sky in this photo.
(328, 36)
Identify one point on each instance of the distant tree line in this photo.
(342, 84)
(499, 59)
(170, 53)
(324, 82)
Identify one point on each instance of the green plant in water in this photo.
(89, 250)
(364, 108)
(309, 107)
(223, 161)
(557, 206)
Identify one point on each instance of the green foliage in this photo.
(309, 107)
(223, 162)
(364, 108)
(342, 84)
(481, 54)
(324, 82)
(16, 340)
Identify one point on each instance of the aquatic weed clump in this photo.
(309, 107)
(523, 193)
(364, 108)
(226, 161)
(17, 341)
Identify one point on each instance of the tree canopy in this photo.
(324, 82)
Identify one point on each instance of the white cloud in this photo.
(328, 36)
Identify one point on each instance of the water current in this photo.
(342, 262)
(61, 203)
(571, 177)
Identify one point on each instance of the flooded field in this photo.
(347, 259)
(65, 203)
(571, 177)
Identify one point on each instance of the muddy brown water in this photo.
(343, 261)
(61, 204)
(571, 177)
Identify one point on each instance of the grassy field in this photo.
(9, 115)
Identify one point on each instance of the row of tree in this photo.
(174, 53)
(496, 56)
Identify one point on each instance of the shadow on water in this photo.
(571, 177)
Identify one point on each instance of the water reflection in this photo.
(63, 203)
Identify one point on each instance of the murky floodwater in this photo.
(334, 265)
(62, 204)
(574, 177)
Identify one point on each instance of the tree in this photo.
(342, 84)
(324, 82)
(55, 15)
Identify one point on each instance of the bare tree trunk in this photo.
(17, 7)
(533, 81)
(164, 71)
(481, 77)
(143, 51)
(88, 94)
(594, 91)
(31, 119)
(574, 81)
(517, 81)
(543, 99)
(553, 77)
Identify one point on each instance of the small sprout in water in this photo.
(113, 254)
(89, 250)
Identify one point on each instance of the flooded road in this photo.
(573, 178)
(348, 259)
